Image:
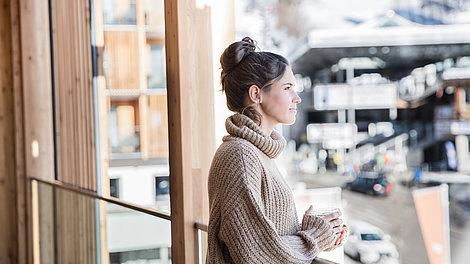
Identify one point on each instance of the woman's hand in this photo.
(340, 230)
(333, 219)
(343, 236)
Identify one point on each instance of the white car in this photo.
(369, 244)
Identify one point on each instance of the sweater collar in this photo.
(241, 126)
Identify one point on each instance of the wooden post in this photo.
(9, 227)
(191, 118)
(25, 112)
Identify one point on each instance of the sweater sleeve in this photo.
(251, 237)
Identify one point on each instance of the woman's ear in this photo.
(254, 94)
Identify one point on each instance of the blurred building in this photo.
(385, 76)
(137, 117)
(134, 67)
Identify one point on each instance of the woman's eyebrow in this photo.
(289, 84)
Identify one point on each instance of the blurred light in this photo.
(463, 62)
(372, 50)
(361, 63)
(35, 148)
(377, 187)
(393, 114)
(456, 73)
(303, 83)
(372, 130)
(450, 89)
(335, 68)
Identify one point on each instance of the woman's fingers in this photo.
(339, 239)
(337, 230)
(344, 234)
(336, 222)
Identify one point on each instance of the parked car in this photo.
(369, 244)
(373, 183)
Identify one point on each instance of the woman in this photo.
(252, 213)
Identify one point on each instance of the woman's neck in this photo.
(267, 127)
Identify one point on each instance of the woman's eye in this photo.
(287, 88)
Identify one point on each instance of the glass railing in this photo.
(73, 225)
(201, 242)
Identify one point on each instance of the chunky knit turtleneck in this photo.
(242, 126)
(252, 213)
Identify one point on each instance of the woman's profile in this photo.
(252, 212)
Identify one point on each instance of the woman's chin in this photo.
(289, 121)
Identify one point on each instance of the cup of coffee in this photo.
(326, 211)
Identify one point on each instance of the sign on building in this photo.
(332, 135)
(345, 96)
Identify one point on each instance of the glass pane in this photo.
(71, 225)
(156, 78)
(202, 246)
(148, 241)
(134, 104)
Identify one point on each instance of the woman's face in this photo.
(279, 105)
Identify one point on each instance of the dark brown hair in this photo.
(242, 67)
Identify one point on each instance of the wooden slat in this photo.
(190, 101)
(8, 217)
(73, 83)
(23, 195)
(75, 214)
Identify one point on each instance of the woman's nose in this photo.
(297, 99)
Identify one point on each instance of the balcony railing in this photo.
(72, 222)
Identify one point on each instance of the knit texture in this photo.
(252, 213)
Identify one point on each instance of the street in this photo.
(394, 214)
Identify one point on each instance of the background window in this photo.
(114, 187)
(119, 12)
(124, 131)
(156, 74)
(162, 187)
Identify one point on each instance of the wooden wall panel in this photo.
(74, 215)
(157, 124)
(122, 59)
(75, 228)
(73, 93)
(8, 202)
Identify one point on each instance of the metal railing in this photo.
(91, 194)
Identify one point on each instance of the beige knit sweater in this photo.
(252, 213)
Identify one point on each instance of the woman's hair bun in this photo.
(236, 52)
